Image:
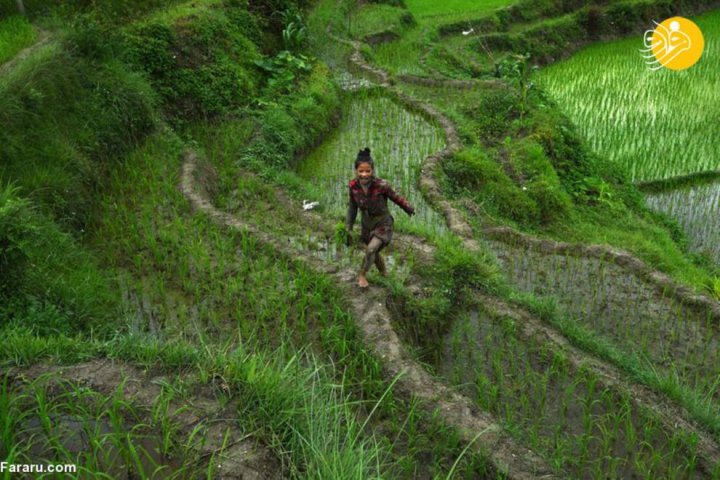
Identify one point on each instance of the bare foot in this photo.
(362, 281)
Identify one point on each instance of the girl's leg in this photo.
(370, 254)
(380, 262)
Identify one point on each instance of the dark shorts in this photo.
(382, 230)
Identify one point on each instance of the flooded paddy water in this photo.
(697, 210)
(632, 314)
(101, 448)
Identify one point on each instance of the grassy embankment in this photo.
(16, 33)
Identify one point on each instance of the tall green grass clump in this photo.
(64, 120)
(296, 402)
(49, 284)
(16, 33)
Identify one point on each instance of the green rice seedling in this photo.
(162, 420)
(638, 117)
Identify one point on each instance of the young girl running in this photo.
(370, 194)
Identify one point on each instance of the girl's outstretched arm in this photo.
(399, 200)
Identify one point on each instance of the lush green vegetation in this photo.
(16, 33)
(641, 118)
(103, 257)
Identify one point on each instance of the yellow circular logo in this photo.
(677, 44)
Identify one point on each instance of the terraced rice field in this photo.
(697, 209)
(658, 124)
(453, 10)
(399, 141)
(671, 338)
(561, 410)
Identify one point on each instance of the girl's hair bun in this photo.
(363, 156)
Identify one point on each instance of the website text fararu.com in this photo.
(36, 468)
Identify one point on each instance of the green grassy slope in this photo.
(16, 33)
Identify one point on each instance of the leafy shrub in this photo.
(562, 145)
(295, 122)
(492, 114)
(295, 32)
(268, 10)
(202, 66)
(284, 69)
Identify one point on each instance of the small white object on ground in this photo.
(309, 205)
(468, 32)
